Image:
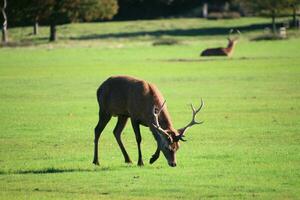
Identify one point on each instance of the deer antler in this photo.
(156, 114)
(193, 122)
(239, 34)
(231, 31)
(156, 122)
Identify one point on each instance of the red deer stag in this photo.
(128, 97)
(221, 51)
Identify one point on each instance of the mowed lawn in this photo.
(247, 148)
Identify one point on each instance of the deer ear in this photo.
(180, 131)
(176, 138)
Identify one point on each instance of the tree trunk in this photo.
(205, 10)
(273, 22)
(4, 35)
(52, 32)
(36, 28)
(4, 26)
(294, 16)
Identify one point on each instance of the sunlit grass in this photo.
(247, 148)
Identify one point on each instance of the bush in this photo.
(215, 15)
(269, 36)
(231, 15)
(166, 41)
(223, 15)
(100, 9)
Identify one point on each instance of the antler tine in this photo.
(239, 34)
(156, 122)
(194, 114)
(193, 121)
(230, 32)
(196, 111)
(161, 108)
(156, 114)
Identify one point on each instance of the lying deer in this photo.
(128, 97)
(221, 51)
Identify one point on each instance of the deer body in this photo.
(127, 97)
(222, 51)
(228, 51)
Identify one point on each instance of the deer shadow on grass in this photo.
(222, 59)
(213, 58)
(174, 32)
(53, 170)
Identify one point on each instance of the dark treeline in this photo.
(56, 12)
(150, 9)
(25, 12)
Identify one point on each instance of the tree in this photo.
(294, 5)
(4, 25)
(37, 10)
(25, 12)
(63, 11)
(270, 7)
(151, 9)
(96, 9)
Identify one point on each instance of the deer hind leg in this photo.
(103, 120)
(136, 129)
(117, 132)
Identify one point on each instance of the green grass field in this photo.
(248, 147)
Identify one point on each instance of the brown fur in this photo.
(221, 51)
(128, 97)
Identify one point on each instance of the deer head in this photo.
(233, 40)
(168, 140)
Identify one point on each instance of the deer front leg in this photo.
(136, 128)
(155, 156)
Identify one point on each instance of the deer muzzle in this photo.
(172, 164)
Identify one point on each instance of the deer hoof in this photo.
(96, 162)
(128, 161)
(153, 159)
(140, 163)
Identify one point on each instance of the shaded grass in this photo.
(117, 34)
(49, 171)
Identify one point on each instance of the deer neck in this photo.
(230, 45)
(230, 48)
(165, 120)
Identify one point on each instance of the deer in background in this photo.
(127, 97)
(221, 51)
